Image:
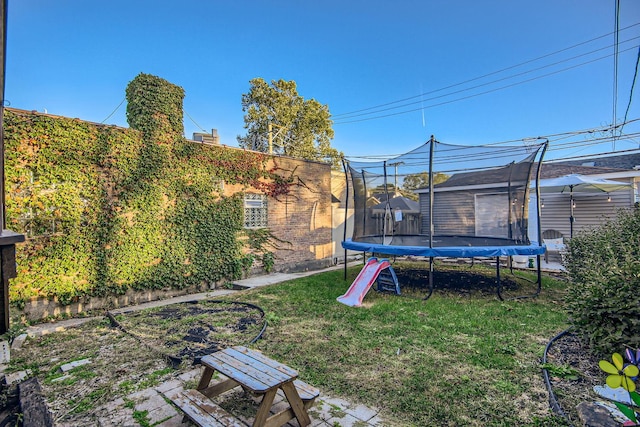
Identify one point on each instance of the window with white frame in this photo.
(491, 219)
(255, 211)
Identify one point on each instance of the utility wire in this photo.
(194, 122)
(114, 111)
(551, 138)
(589, 156)
(337, 122)
(633, 83)
(483, 76)
(616, 35)
(340, 120)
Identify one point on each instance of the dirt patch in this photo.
(573, 374)
(462, 282)
(193, 329)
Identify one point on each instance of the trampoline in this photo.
(443, 200)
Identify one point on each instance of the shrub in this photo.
(603, 296)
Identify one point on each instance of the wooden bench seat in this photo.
(307, 393)
(203, 411)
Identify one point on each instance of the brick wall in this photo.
(303, 218)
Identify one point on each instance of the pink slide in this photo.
(359, 288)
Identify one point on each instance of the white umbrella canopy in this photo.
(579, 184)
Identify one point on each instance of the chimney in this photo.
(206, 138)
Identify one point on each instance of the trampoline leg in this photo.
(498, 282)
(430, 278)
(539, 277)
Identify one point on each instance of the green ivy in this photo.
(107, 209)
(154, 106)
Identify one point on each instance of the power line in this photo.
(633, 83)
(616, 35)
(551, 138)
(114, 111)
(488, 83)
(194, 122)
(477, 94)
(481, 77)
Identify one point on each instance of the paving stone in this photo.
(174, 422)
(151, 403)
(119, 419)
(346, 421)
(321, 411)
(18, 341)
(5, 353)
(110, 408)
(318, 423)
(62, 378)
(362, 412)
(170, 387)
(247, 420)
(334, 401)
(193, 374)
(142, 395)
(278, 399)
(71, 365)
(594, 415)
(279, 406)
(376, 421)
(16, 377)
(161, 413)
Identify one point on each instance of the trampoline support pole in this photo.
(498, 282)
(430, 279)
(539, 276)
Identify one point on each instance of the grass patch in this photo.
(467, 358)
(141, 418)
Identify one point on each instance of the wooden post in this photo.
(8, 239)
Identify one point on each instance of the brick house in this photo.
(302, 218)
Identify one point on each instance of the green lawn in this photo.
(451, 360)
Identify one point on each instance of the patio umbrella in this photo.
(579, 183)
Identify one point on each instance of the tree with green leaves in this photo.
(280, 121)
(420, 180)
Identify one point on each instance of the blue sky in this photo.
(75, 58)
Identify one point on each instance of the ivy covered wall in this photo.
(107, 209)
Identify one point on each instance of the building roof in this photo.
(400, 203)
(555, 170)
(622, 161)
(507, 174)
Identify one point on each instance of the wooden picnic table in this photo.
(257, 374)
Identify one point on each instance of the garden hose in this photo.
(176, 361)
(553, 402)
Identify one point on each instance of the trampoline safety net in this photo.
(445, 195)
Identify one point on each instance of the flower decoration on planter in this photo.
(619, 374)
(634, 358)
(624, 375)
